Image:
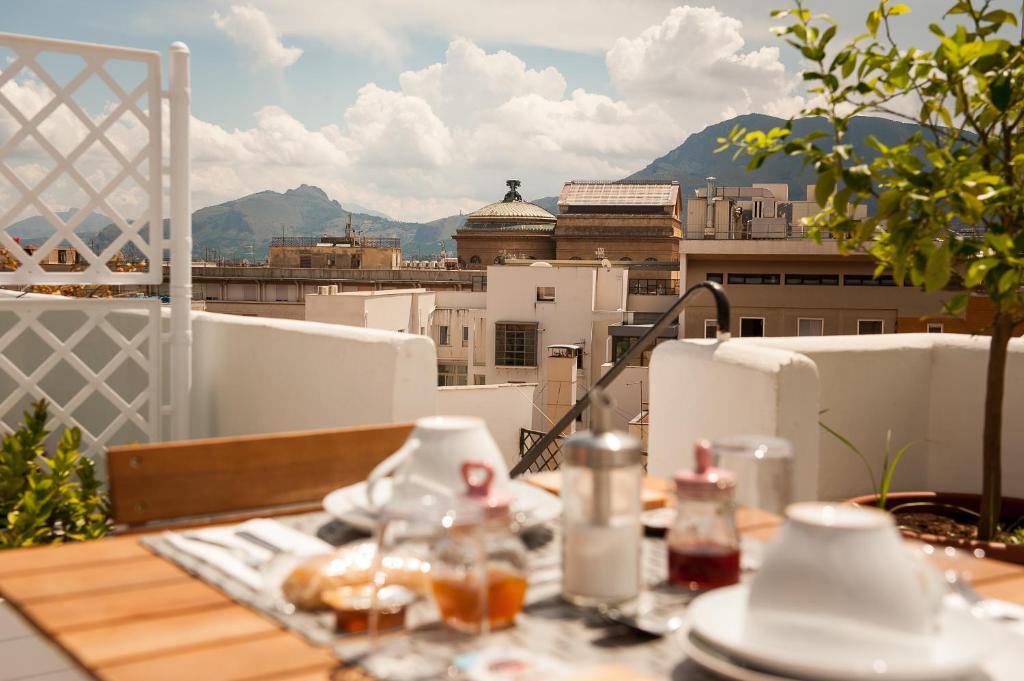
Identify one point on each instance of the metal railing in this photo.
(355, 240)
(549, 459)
(538, 449)
(745, 233)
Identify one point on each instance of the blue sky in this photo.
(422, 109)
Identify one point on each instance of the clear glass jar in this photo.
(479, 565)
(704, 544)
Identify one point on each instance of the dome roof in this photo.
(520, 211)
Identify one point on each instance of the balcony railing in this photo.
(355, 240)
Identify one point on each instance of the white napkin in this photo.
(222, 559)
(285, 539)
(240, 558)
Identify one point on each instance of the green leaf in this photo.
(937, 272)
(1000, 92)
(824, 187)
(977, 270)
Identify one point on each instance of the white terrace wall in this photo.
(505, 407)
(253, 375)
(925, 388)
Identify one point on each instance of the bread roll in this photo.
(350, 565)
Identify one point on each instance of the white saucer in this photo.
(817, 651)
(349, 504)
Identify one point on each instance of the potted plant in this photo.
(946, 518)
(48, 499)
(950, 200)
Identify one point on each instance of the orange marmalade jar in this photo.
(478, 573)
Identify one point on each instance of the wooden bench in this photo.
(243, 475)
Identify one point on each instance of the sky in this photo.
(421, 109)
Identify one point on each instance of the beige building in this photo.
(761, 211)
(349, 252)
(405, 311)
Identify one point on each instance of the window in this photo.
(870, 326)
(650, 260)
(442, 336)
(752, 327)
(515, 344)
(451, 374)
(868, 280)
(62, 256)
(711, 328)
(810, 327)
(812, 280)
(936, 328)
(622, 344)
(546, 294)
(305, 261)
(625, 258)
(654, 287)
(715, 277)
(742, 278)
(475, 260)
(465, 336)
(479, 379)
(575, 257)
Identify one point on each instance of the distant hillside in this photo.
(37, 227)
(695, 159)
(243, 228)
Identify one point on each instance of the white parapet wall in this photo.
(925, 388)
(505, 407)
(259, 375)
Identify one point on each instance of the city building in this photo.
(761, 211)
(349, 252)
(404, 311)
(511, 227)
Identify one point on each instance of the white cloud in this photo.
(447, 135)
(693, 63)
(250, 28)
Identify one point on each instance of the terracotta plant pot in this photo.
(1012, 510)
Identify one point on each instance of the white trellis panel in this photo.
(69, 155)
(97, 364)
(93, 165)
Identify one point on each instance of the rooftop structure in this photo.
(510, 227)
(351, 251)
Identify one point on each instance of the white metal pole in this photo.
(180, 95)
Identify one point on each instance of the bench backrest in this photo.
(189, 478)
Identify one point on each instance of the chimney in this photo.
(709, 217)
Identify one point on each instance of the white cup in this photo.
(430, 461)
(849, 567)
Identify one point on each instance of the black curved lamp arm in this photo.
(646, 340)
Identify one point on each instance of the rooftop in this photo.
(588, 193)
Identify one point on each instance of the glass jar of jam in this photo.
(703, 544)
(479, 565)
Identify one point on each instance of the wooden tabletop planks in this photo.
(128, 615)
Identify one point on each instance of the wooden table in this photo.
(125, 614)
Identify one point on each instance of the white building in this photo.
(402, 310)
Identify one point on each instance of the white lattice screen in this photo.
(82, 171)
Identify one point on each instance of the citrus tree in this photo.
(950, 199)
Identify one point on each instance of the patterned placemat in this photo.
(547, 625)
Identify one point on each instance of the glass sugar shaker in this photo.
(602, 480)
(480, 562)
(704, 544)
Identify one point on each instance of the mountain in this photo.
(695, 159)
(38, 228)
(243, 228)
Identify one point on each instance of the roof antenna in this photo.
(512, 194)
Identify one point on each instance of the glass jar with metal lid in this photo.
(602, 477)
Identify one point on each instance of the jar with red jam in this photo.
(704, 544)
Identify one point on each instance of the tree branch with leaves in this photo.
(950, 199)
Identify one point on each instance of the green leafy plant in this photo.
(48, 499)
(950, 200)
(889, 463)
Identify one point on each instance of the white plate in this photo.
(349, 504)
(817, 650)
